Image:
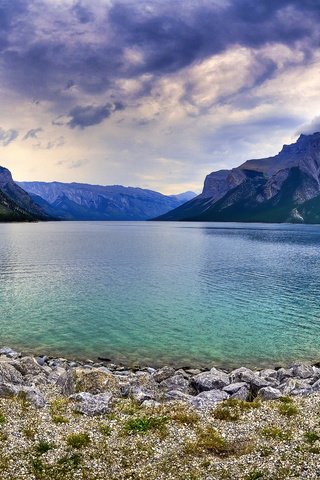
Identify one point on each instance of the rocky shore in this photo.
(86, 420)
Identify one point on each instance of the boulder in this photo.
(246, 375)
(234, 387)
(269, 393)
(284, 373)
(208, 399)
(33, 396)
(66, 382)
(242, 394)
(29, 366)
(213, 380)
(291, 384)
(9, 374)
(303, 371)
(177, 382)
(7, 390)
(163, 374)
(92, 405)
(140, 395)
(8, 352)
(178, 396)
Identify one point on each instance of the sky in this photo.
(155, 94)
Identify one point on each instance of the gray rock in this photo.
(92, 405)
(303, 371)
(151, 370)
(8, 352)
(34, 396)
(291, 384)
(7, 390)
(150, 404)
(208, 399)
(29, 366)
(213, 380)
(66, 382)
(269, 373)
(104, 370)
(177, 382)
(163, 374)
(40, 379)
(140, 395)
(178, 396)
(234, 387)
(246, 375)
(284, 373)
(242, 394)
(9, 374)
(183, 373)
(242, 374)
(316, 386)
(269, 393)
(193, 371)
(42, 360)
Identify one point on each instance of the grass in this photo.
(2, 419)
(105, 430)
(288, 409)
(181, 415)
(145, 424)
(232, 409)
(209, 440)
(78, 440)
(59, 419)
(311, 437)
(255, 475)
(44, 447)
(276, 433)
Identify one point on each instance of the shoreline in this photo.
(77, 420)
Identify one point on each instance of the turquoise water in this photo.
(182, 293)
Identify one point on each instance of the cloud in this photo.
(86, 116)
(50, 145)
(73, 164)
(7, 136)
(33, 133)
(309, 128)
(96, 44)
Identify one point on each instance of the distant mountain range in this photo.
(283, 188)
(77, 201)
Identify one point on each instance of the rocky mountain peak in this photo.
(5, 176)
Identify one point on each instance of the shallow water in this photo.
(182, 293)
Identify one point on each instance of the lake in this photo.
(153, 293)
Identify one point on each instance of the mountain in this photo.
(15, 203)
(282, 188)
(78, 201)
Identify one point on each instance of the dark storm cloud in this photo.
(85, 44)
(86, 116)
(7, 136)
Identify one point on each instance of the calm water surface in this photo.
(198, 293)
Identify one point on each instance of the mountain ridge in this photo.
(273, 189)
(83, 201)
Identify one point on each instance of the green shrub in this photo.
(144, 424)
(311, 437)
(78, 440)
(288, 409)
(44, 447)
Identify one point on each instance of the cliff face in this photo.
(273, 189)
(77, 201)
(15, 203)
